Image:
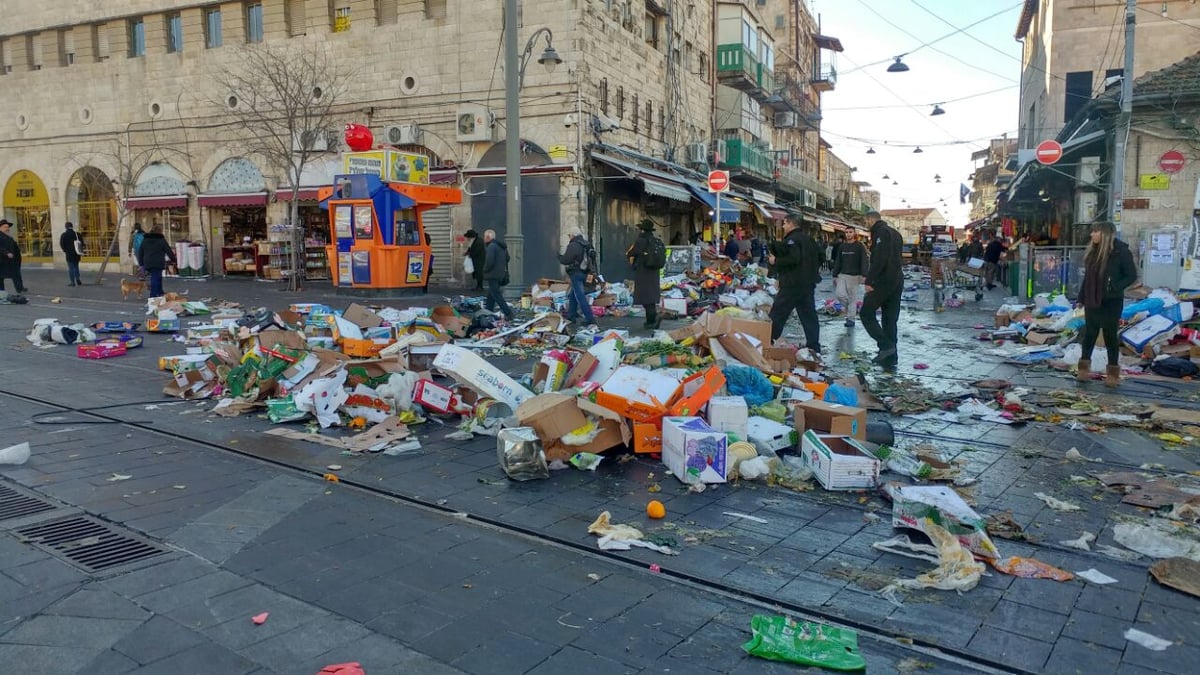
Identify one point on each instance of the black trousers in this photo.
(1102, 319)
(887, 334)
(802, 300)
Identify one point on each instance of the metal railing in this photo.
(741, 155)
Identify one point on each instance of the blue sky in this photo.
(870, 105)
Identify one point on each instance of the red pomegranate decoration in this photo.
(358, 137)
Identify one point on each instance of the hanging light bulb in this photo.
(870, 151)
(898, 67)
(886, 177)
(895, 183)
(918, 150)
(937, 110)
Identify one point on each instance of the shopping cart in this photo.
(947, 273)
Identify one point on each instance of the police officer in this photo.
(884, 284)
(797, 262)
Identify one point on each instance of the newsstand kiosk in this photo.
(378, 240)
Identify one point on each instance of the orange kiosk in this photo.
(375, 210)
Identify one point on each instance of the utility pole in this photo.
(1116, 190)
(512, 146)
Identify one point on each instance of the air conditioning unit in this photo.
(312, 140)
(403, 134)
(810, 199)
(474, 123)
(785, 120)
(1085, 207)
(1089, 172)
(697, 153)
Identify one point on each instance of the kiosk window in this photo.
(363, 225)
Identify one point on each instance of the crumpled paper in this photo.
(956, 570)
(620, 537)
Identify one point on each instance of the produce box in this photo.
(839, 462)
(694, 451)
(162, 325)
(768, 436)
(115, 326)
(832, 418)
(729, 414)
(99, 351)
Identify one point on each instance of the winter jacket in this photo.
(797, 260)
(138, 237)
(1120, 273)
(975, 249)
(66, 241)
(477, 252)
(732, 249)
(851, 258)
(9, 267)
(573, 257)
(647, 281)
(993, 251)
(155, 252)
(495, 264)
(885, 273)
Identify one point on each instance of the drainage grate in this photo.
(87, 543)
(15, 504)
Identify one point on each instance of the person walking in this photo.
(849, 269)
(796, 259)
(477, 254)
(884, 283)
(731, 249)
(579, 259)
(647, 256)
(495, 273)
(10, 258)
(991, 261)
(429, 272)
(72, 247)
(135, 241)
(153, 254)
(1108, 269)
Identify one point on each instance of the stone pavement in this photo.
(814, 553)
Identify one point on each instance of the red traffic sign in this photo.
(718, 181)
(1172, 161)
(1048, 152)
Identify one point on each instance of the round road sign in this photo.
(1048, 152)
(1172, 161)
(718, 181)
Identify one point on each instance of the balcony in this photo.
(792, 178)
(825, 79)
(742, 157)
(738, 68)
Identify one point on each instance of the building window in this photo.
(137, 37)
(1078, 93)
(634, 109)
(662, 124)
(386, 12)
(174, 33)
(254, 22)
(703, 70)
(651, 29)
(620, 103)
(436, 9)
(649, 118)
(603, 95)
(341, 19)
(100, 44)
(66, 47)
(212, 28)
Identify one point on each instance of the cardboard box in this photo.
(371, 372)
(647, 438)
(554, 285)
(717, 325)
(605, 300)
(730, 415)
(451, 321)
(364, 348)
(99, 351)
(549, 373)
(275, 337)
(746, 350)
(692, 331)
(1041, 337)
(780, 359)
(768, 436)
(472, 371)
(362, 316)
(839, 462)
(696, 391)
(641, 395)
(433, 396)
(421, 356)
(917, 505)
(676, 305)
(831, 418)
(555, 415)
(162, 325)
(694, 451)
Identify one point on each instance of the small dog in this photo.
(175, 297)
(131, 286)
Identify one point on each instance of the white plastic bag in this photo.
(468, 265)
(323, 397)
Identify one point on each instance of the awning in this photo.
(306, 194)
(666, 189)
(826, 42)
(776, 213)
(731, 209)
(162, 202)
(234, 199)
(500, 171)
(443, 176)
(655, 182)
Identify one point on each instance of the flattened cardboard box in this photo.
(362, 316)
(470, 370)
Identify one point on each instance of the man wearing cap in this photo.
(884, 284)
(10, 258)
(797, 262)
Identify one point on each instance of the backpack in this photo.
(656, 257)
(588, 262)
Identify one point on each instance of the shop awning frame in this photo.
(233, 199)
(731, 209)
(306, 194)
(654, 182)
(667, 189)
(157, 202)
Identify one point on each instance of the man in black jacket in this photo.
(495, 273)
(884, 284)
(797, 262)
(578, 264)
(69, 241)
(991, 261)
(849, 267)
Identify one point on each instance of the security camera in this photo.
(605, 123)
(569, 120)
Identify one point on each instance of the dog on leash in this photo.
(131, 287)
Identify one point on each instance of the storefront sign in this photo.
(1137, 203)
(363, 222)
(1154, 181)
(25, 190)
(389, 165)
(345, 275)
(416, 267)
(341, 221)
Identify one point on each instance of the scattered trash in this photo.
(901, 544)
(586, 461)
(618, 537)
(656, 510)
(1075, 456)
(521, 455)
(1182, 574)
(1082, 543)
(1117, 553)
(15, 454)
(117, 477)
(260, 619)
(1151, 642)
(956, 570)
(353, 668)
(331, 477)
(334, 467)
(1096, 577)
(654, 567)
(1003, 525)
(1056, 504)
(593, 576)
(1155, 541)
(924, 508)
(744, 516)
(778, 638)
(1030, 568)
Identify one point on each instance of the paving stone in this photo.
(203, 658)
(1057, 597)
(1169, 623)
(45, 574)
(44, 660)
(1178, 659)
(935, 624)
(504, 653)
(1025, 620)
(378, 654)
(869, 608)
(1109, 601)
(409, 625)
(367, 600)
(156, 577)
(1010, 648)
(289, 651)
(1097, 628)
(712, 647)
(606, 598)
(156, 639)
(581, 662)
(815, 540)
(110, 663)
(70, 631)
(16, 554)
(190, 595)
(810, 589)
(1082, 658)
(97, 602)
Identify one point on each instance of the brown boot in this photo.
(1085, 370)
(1112, 375)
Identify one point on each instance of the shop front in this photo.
(27, 207)
(236, 207)
(160, 200)
(92, 207)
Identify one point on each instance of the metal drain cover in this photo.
(88, 543)
(15, 504)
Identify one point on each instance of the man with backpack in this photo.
(797, 260)
(648, 256)
(580, 261)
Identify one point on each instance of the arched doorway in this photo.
(160, 198)
(27, 207)
(539, 210)
(92, 206)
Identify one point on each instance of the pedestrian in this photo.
(796, 259)
(964, 250)
(731, 249)
(10, 258)
(579, 259)
(477, 254)
(849, 269)
(991, 261)
(647, 256)
(72, 247)
(1108, 269)
(495, 273)
(135, 241)
(884, 284)
(975, 249)
(153, 254)
(428, 272)
(758, 251)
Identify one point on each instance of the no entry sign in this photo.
(1048, 152)
(1172, 161)
(718, 181)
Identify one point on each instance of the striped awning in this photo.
(666, 189)
(306, 194)
(234, 199)
(159, 202)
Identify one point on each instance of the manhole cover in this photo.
(87, 543)
(15, 504)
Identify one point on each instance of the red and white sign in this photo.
(718, 181)
(1048, 152)
(1172, 161)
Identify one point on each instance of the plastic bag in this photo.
(1031, 568)
(520, 454)
(749, 383)
(842, 395)
(773, 410)
(399, 389)
(778, 638)
(281, 410)
(1149, 306)
(468, 265)
(323, 397)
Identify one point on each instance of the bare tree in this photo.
(281, 98)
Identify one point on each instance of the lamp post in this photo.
(514, 75)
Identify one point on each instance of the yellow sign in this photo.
(389, 165)
(25, 189)
(1154, 181)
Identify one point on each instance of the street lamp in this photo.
(899, 66)
(514, 76)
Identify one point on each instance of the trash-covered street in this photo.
(978, 500)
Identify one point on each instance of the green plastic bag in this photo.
(773, 410)
(281, 410)
(778, 638)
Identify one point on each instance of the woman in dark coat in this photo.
(1108, 269)
(153, 255)
(647, 280)
(69, 242)
(10, 258)
(477, 252)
